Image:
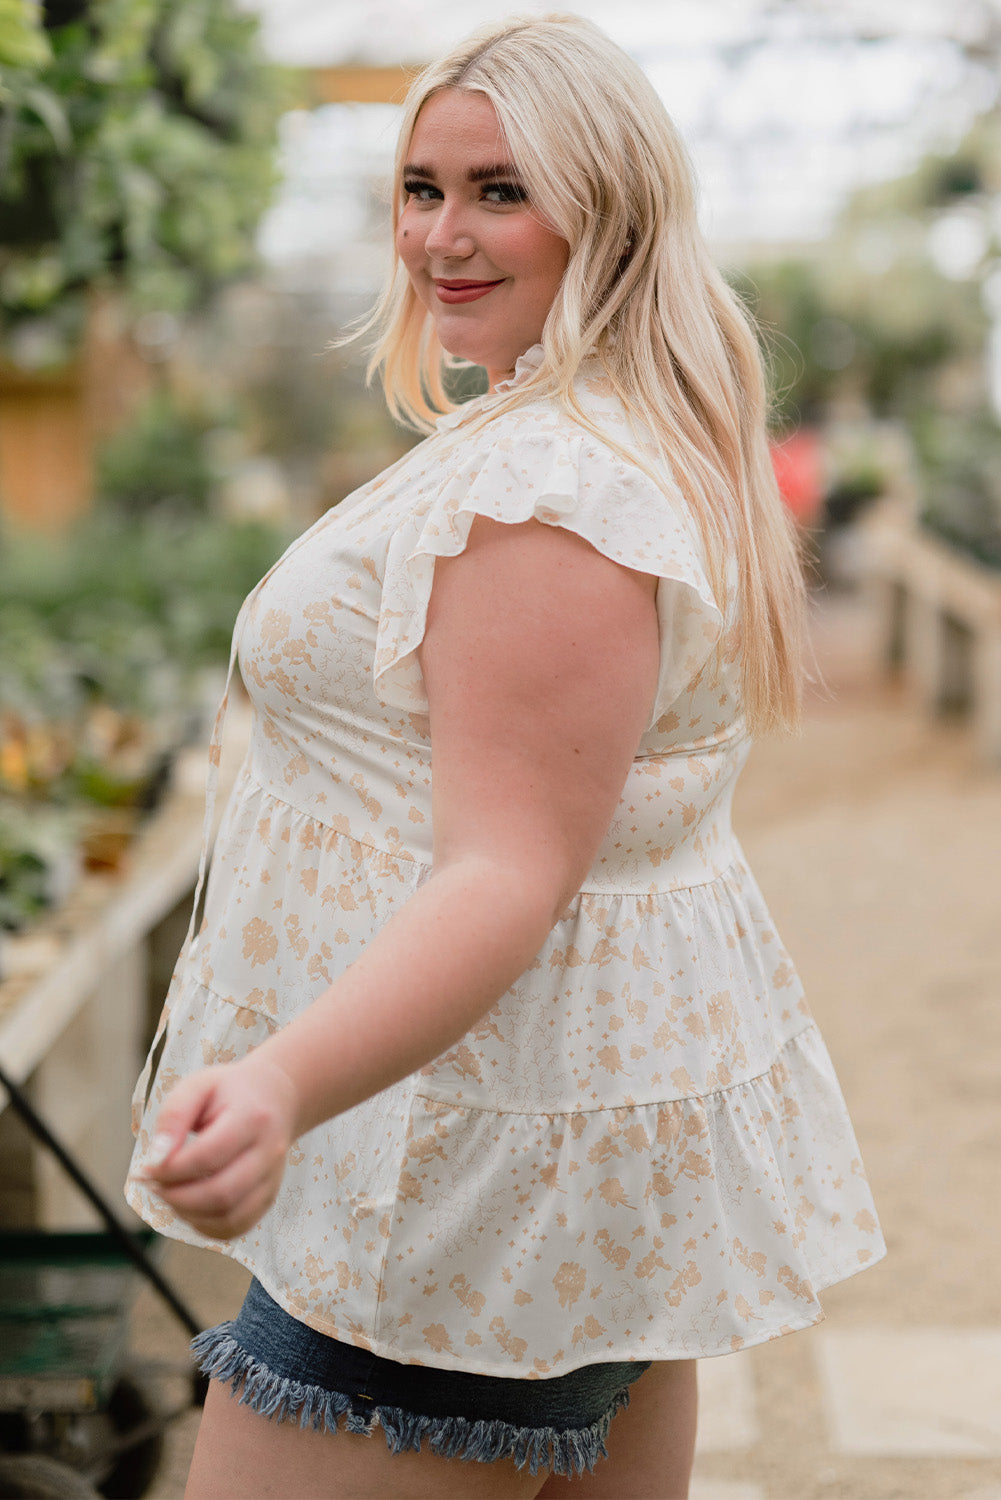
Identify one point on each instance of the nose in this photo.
(449, 236)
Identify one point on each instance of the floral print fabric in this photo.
(641, 1151)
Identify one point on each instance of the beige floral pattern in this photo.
(641, 1151)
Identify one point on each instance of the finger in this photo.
(209, 1151)
(184, 1109)
(221, 1193)
(226, 1226)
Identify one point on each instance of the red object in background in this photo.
(799, 470)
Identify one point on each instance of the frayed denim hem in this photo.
(571, 1452)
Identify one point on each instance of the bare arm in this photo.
(540, 661)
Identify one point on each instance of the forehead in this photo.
(458, 127)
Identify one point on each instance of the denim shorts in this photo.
(285, 1370)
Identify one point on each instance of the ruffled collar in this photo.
(525, 366)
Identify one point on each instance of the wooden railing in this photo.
(939, 621)
(81, 992)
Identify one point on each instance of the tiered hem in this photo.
(712, 1224)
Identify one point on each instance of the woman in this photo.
(510, 1096)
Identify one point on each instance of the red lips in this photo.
(463, 291)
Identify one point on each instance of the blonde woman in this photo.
(487, 1060)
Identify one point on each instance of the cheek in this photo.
(548, 255)
(409, 244)
(535, 244)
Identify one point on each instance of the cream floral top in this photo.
(641, 1151)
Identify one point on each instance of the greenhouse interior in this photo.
(195, 208)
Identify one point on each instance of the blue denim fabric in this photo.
(285, 1370)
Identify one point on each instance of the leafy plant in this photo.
(885, 337)
(788, 301)
(104, 638)
(960, 460)
(22, 40)
(136, 147)
(162, 457)
(37, 861)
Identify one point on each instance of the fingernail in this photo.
(160, 1148)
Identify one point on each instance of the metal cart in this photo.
(79, 1417)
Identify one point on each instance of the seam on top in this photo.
(265, 1015)
(739, 736)
(337, 832)
(605, 1109)
(423, 864)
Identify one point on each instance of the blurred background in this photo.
(193, 211)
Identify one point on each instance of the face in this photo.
(481, 259)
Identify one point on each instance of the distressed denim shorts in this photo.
(285, 1370)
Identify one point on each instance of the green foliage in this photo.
(788, 303)
(869, 313)
(884, 336)
(35, 847)
(953, 177)
(878, 317)
(941, 179)
(22, 39)
(162, 458)
(121, 604)
(105, 637)
(960, 459)
(137, 146)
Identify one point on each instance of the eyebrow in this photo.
(475, 174)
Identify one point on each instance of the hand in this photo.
(221, 1142)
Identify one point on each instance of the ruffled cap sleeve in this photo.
(561, 479)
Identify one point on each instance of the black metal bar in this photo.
(119, 1233)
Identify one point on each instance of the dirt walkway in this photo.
(877, 842)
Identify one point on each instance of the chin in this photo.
(462, 348)
(460, 343)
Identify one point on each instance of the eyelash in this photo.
(511, 192)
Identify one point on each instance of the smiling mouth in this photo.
(464, 291)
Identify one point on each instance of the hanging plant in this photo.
(137, 142)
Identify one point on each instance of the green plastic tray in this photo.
(64, 1303)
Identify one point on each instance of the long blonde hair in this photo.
(602, 160)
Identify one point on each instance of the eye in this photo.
(505, 192)
(424, 192)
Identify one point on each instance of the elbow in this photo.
(546, 890)
(525, 895)
(546, 901)
(565, 893)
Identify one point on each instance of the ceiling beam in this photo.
(359, 83)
